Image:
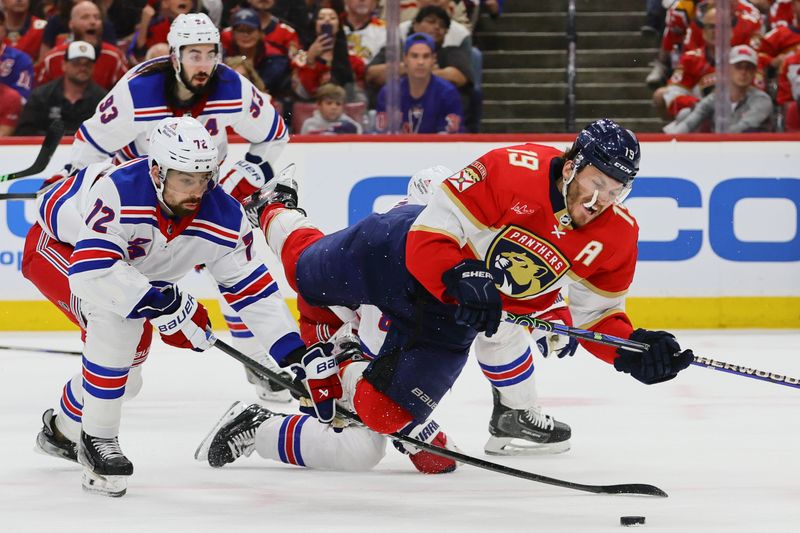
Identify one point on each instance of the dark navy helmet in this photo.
(609, 147)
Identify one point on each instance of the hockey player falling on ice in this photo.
(191, 81)
(107, 249)
(505, 233)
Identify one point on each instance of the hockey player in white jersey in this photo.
(191, 81)
(108, 247)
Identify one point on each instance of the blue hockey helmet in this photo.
(610, 148)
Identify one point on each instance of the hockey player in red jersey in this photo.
(507, 232)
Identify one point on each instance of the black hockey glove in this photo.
(661, 362)
(479, 303)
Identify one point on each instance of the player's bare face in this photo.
(198, 62)
(183, 191)
(581, 193)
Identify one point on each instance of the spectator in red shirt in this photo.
(781, 42)
(694, 76)
(57, 30)
(10, 108)
(154, 27)
(86, 25)
(24, 31)
(327, 59)
(789, 90)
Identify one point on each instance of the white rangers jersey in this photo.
(125, 245)
(122, 122)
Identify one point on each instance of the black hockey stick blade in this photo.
(51, 141)
(18, 196)
(627, 488)
(42, 350)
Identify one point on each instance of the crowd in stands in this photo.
(764, 80)
(323, 62)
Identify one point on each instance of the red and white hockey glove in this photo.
(561, 345)
(180, 319)
(246, 177)
(319, 371)
(425, 461)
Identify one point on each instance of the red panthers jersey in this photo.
(779, 41)
(745, 29)
(789, 79)
(505, 210)
(679, 17)
(780, 13)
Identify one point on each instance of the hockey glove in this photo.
(479, 303)
(561, 345)
(319, 371)
(661, 362)
(180, 319)
(246, 177)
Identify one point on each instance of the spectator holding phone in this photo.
(327, 59)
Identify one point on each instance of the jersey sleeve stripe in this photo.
(102, 244)
(55, 198)
(591, 287)
(83, 134)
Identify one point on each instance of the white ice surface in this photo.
(725, 448)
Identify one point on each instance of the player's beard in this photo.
(194, 89)
(183, 208)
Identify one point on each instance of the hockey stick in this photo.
(627, 488)
(18, 196)
(49, 145)
(43, 350)
(585, 334)
(740, 370)
(602, 338)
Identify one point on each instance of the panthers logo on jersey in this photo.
(523, 264)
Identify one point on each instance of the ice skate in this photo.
(525, 431)
(50, 441)
(282, 189)
(106, 469)
(266, 389)
(233, 436)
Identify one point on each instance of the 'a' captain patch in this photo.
(526, 264)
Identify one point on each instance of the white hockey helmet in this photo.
(423, 183)
(182, 143)
(191, 28)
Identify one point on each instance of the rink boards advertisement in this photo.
(719, 233)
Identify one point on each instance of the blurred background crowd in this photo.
(464, 65)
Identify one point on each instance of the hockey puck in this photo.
(631, 520)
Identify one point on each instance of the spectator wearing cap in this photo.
(752, 107)
(17, 67)
(428, 103)
(245, 38)
(329, 117)
(281, 38)
(23, 30)
(86, 26)
(72, 98)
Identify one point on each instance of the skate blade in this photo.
(505, 446)
(111, 486)
(201, 454)
(42, 447)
